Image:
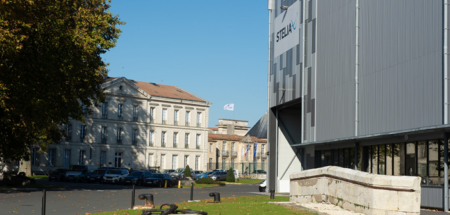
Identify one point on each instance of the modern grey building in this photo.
(360, 84)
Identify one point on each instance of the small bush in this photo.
(207, 180)
(187, 171)
(230, 176)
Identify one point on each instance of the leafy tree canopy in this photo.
(51, 68)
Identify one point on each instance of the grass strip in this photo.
(246, 205)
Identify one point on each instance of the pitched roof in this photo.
(213, 137)
(213, 129)
(260, 128)
(163, 90)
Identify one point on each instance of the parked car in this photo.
(96, 176)
(218, 176)
(195, 173)
(158, 179)
(115, 176)
(203, 175)
(57, 175)
(75, 172)
(154, 171)
(137, 177)
(168, 171)
(260, 171)
(262, 186)
(179, 173)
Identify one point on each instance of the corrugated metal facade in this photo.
(336, 69)
(400, 67)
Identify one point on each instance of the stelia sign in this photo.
(286, 29)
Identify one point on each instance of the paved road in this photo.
(89, 198)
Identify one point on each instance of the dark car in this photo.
(218, 176)
(95, 176)
(57, 175)
(137, 177)
(159, 180)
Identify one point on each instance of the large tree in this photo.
(51, 68)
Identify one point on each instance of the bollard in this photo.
(133, 194)
(192, 192)
(165, 185)
(216, 196)
(148, 199)
(272, 194)
(43, 201)
(179, 184)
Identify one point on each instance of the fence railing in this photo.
(225, 154)
(233, 154)
(243, 167)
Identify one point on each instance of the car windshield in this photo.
(98, 172)
(179, 170)
(136, 173)
(77, 168)
(114, 172)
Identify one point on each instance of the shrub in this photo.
(208, 180)
(230, 176)
(187, 171)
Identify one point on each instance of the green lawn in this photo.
(39, 177)
(247, 205)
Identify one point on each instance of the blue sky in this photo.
(216, 50)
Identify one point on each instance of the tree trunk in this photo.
(25, 166)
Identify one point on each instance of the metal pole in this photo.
(445, 172)
(43, 201)
(133, 196)
(192, 192)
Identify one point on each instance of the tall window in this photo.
(210, 147)
(105, 110)
(152, 114)
(197, 161)
(164, 116)
(52, 157)
(150, 159)
(186, 158)
(118, 159)
(82, 133)
(175, 117)
(187, 117)
(186, 140)
(199, 119)
(135, 113)
(81, 157)
(175, 139)
(119, 111)
(163, 139)
(67, 158)
(103, 159)
(68, 132)
(104, 133)
(134, 137)
(223, 164)
(151, 138)
(232, 146)
(210, 163)
(119, 136)
(224, 146)
(174, 161)
(197, 142)
(163, 157)
(232, 163)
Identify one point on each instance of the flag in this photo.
(246, 150)
(229, 107)
(243, 149)
(254, 152)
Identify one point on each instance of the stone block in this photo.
(409, 202)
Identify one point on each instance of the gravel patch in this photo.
(328, 209)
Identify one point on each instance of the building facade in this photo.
(141, 125)
(361, 84)
(229, 146)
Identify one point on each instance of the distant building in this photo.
(229, 146)
(140, 125)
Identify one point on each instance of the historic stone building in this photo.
(140, 125)
(230, 145)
